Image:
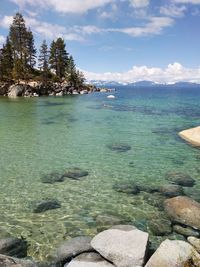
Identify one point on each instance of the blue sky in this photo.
(124, 40)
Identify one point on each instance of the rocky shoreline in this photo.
(120, 245)
(117, 243)
(35, 89)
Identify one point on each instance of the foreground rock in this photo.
(123, 247)
(89, 260)
(45, 205)
(75, 173)
(6, 261)
(13, 247)
(192, 136)
(195, 242)
(174, 253)
(73, 247)
(180, 178)
(183, 210)
(16, 90)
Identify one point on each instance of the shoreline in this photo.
(36, 89)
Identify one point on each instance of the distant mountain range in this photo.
(144, 84)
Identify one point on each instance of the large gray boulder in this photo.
(183, 210)
(6, 261)
(174, 253)
(73, 247)
(123, 247)
(89, 260)
(13, 247)
(16, 90)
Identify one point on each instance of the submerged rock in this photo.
(171, 190)
(119, 147)
(75, 173)
(104, 221)
(13, 247)
(160, 227)
(127, 187)
(48, 204)
(52, 178)
(185, 231)
(174, 253)
(148, 188)
(73, 247)
(124, 248)
(180, 178)
(155, 200)
(6, 261)
(183, 210)
(89, 260)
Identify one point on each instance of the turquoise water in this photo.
(41, 135)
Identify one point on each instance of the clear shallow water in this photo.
(41, 135)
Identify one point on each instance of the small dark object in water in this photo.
(45, 205)
(13, 247)
(75, 173)
(180, 179)
(52, 178)
(127, 187)
(119, 147)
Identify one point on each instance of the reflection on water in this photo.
(45, 135)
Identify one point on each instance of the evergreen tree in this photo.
(24, 52)
(1, 69)
(58, 59)
(44, 59)
(7, 60)
(18, 36)
(31, 50)
(79, 78)
(71, 71)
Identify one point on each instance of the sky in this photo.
(118, 40)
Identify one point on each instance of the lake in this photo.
(51, 134)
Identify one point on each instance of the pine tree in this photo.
(18, 36)
(24, 52)
(71, 71)
(1, 68)
(58, 59)
(31, 50)
(7, 60)
(43, 60)
(79, 78)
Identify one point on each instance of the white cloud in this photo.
(49, 30)
(172, 73)
(6, 21)
(78, 33)
(2, 39)
(154, 26)
(64, 6)
(173, 11)
(195, 2)
(139, 3)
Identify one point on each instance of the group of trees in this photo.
(18, 58)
